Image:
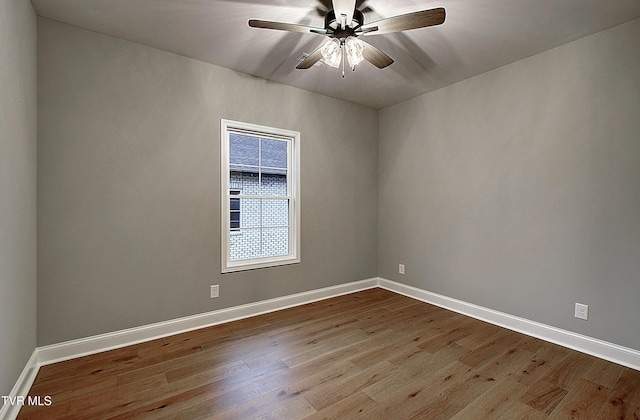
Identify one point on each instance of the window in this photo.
(260, 196)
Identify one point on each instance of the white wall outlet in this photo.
(215, 291)
(401, 268)
(582, 311)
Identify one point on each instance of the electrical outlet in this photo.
(582, 311)
(401, 268)
(215, 291)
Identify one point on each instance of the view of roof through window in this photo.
(256, 154)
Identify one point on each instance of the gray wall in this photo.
(17, 189)
(519, 189)
(128, 185)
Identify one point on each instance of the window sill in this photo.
(258, 264)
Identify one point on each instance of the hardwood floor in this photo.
(372, 354)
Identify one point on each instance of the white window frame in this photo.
(293, 194)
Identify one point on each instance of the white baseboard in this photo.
(21, 388)
(99, 343)
(599, 348)
(103, 342)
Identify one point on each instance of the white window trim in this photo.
(293, 185)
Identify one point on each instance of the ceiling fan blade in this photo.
(375, 56)
(312, 59)
(289, 27)
(407, 21)
(344, 7)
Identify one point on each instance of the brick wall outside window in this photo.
(251, 240)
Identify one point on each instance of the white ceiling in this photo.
(477, 36)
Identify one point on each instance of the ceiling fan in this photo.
(344, 25)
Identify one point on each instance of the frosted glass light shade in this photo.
(331, 52)
(354, 49)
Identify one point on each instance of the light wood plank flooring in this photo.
(372, 354)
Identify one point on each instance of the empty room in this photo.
(319, 209)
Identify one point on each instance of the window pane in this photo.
(250, 210)
(245, 245)
(274, 156)
(275, 213)
(246, 181)
(234, 204)
(243, 151)
(273, 184)
(275, 242)
(235, 182)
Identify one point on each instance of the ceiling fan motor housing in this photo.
(332, 25)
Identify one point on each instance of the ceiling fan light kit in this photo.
(334, 50)
(343, 32)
